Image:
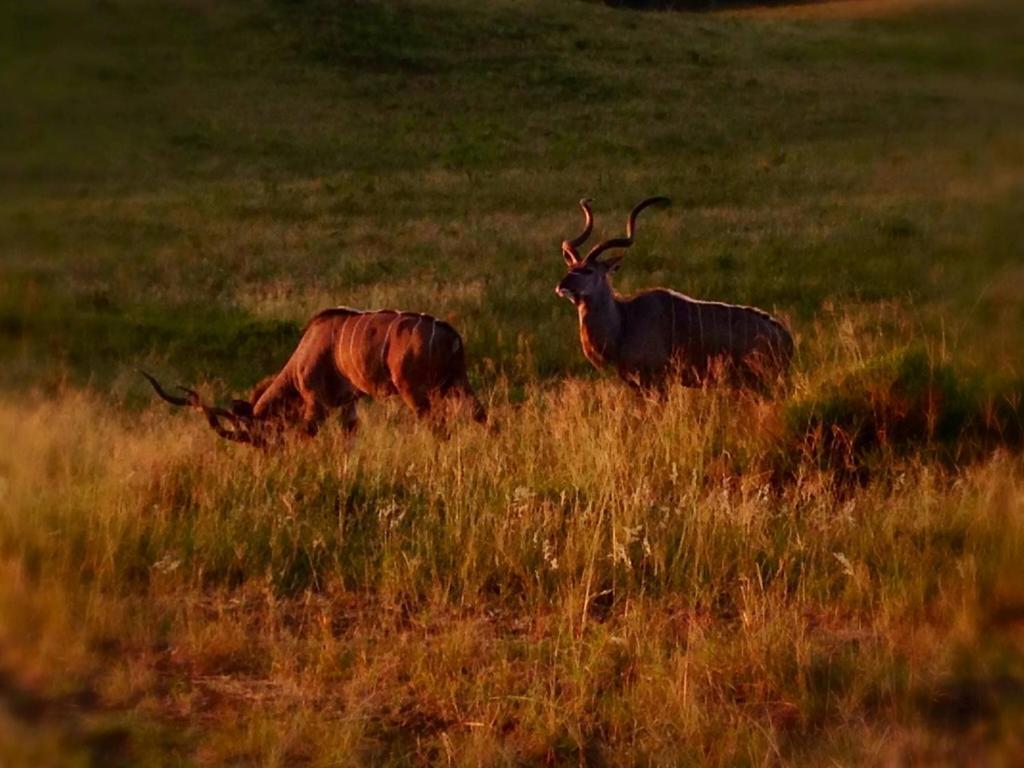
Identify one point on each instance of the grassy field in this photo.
(830, 578)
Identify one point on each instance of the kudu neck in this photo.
(600, 326)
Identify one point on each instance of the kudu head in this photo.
(588, 276)
(243, 428)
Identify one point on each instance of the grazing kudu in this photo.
(658, 334)
(345, 354)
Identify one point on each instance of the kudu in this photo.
(343, 355)
(658, 334)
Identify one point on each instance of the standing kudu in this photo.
(659, 333)
(345, 354)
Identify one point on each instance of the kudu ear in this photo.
(570, 255)
(611, 264)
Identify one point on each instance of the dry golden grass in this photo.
(601, 579)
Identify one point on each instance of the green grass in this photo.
(600, 580)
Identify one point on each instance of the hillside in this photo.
(599, 579)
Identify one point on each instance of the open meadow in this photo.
(831, 577)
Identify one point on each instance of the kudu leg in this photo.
(320, 392)
(419, 402)
(313, 415)
(461, 392)
(429, 407)
(349, 418)
(315, 402)
(280, 405)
